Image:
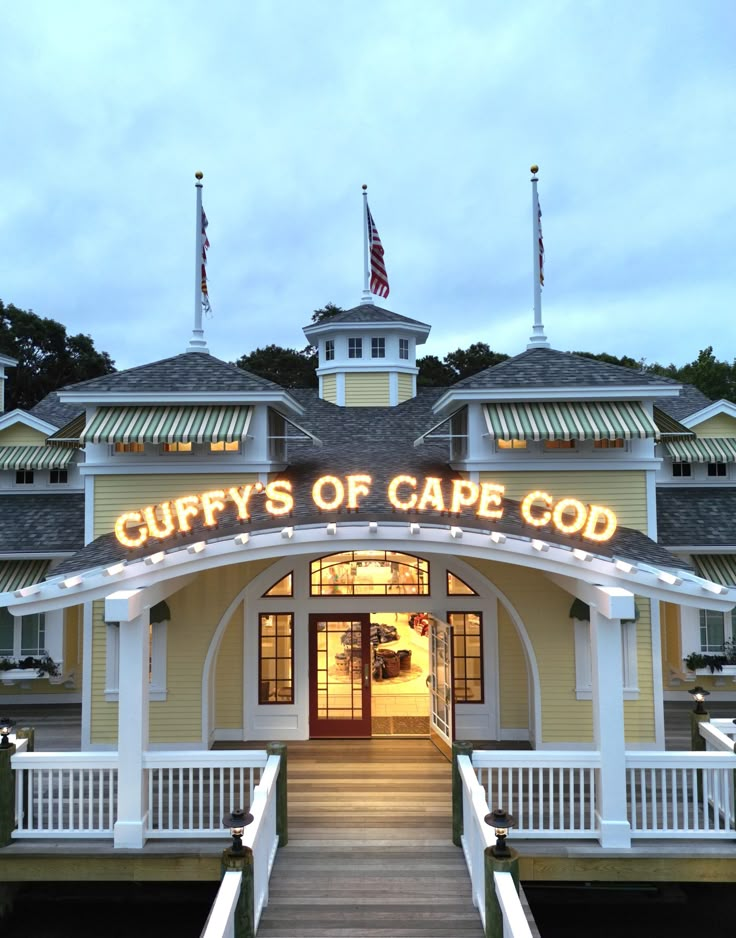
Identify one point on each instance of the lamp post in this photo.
(237, 821)
(699, 694)
(697, 716)
(6, 728)
(500, 821)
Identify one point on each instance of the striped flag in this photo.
(541, 245)
(379, 279)
(205, 247)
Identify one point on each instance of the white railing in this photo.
(513, 916)
(550, 794)
(681, 794)
(189, 792)
(476, 837)
(221, 920)
(718, 735)
(261, 837)
(65, 794)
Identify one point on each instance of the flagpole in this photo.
(367, 296)
(538, 339)
(197, 342)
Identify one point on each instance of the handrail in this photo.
(221, 920)
(515, 924)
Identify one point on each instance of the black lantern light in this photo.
(500, 821)
(237, 822)
(699, 694)
(6, 728)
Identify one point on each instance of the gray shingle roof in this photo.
(548, 368)
(190, 371)
(53, 411)
(690, 401)
(43, 524)
(689, 515)
(368, 313)
(379, 441)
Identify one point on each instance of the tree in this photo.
(475, 358)
(716, 379)
(433, 373)
(48, 358)
(287, 367)
(327, 312)
(625, 361)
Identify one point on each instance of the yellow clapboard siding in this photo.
(406, 387)
(229, 680)
(367, 390)
(512, 675)
(119, 493)
(624, 491)
(719, 426)
(672, 653)
(639, 714)
(21, 435)
(329, 388)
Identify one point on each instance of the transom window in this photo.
(369, 573)
(355, 348)
(467, 656)
(276, 658)
(404, 349)
(329, 350)
(224, 447)
(378, 348)
(511, 444)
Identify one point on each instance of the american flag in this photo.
(205, 247)
(379, 279)
(541, 245)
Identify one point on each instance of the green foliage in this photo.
(48, 358)
(433, 373)
(471, 360)
(41, 665)
(327, 312)
(287, 367)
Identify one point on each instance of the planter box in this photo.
(728, 670)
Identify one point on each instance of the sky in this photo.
(439, 106)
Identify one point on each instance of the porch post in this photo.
(608, 728)
(126, 608)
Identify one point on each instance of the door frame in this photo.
(356, 728)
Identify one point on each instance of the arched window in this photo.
(369, 573)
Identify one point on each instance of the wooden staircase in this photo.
(370, 848)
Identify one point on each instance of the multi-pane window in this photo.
(22, 636)
(369, 573)
(511, 444)
(177, 447)
(404, 349)
(459, 434)
(129, 448)
(559, 444)
(24, 477)
(284, 587)
(717, 469)
(329, 350)
(608, 444)
(456, 587)
(276, 658)
(681, 470)
(222, 447)
(378, 347)
(467, 656)
(712, 631)
(355, 348)
(276, 436)
(58, 476)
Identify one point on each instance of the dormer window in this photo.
(330, 350)
(378, 347)
(355, 348)
(404, 349)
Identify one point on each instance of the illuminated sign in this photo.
(331, 493)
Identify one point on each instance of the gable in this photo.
(721, 425)
(21, 435)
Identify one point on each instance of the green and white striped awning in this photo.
(569, 420)
(34, 457)
(215, 424)
(15, 574)
(69, 434)
(718, 568)
(705, 450)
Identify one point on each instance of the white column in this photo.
(132, 819)
(608, 728)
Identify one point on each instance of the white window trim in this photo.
(157, 689)
(583, 662)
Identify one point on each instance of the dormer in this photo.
(367, 356)
(545, 409)
(185, 413)
(5, 362)
(708, 455)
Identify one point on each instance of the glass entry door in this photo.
(441, 702)
(339, 676)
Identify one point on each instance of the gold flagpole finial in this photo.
(198, 174)
(364, 187)
(534, 169)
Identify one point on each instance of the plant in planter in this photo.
(42, 666)
(697, 660)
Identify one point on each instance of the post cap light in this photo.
(6, 728)
(699, 694)
(237, 822)
(500, 821)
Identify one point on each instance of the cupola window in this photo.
(355, 348)
(378, 347)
